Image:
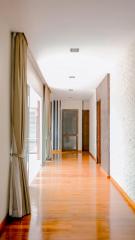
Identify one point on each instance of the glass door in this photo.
(34, 159)
(69, 130)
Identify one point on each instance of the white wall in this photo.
(122, 123)
(4, 117)
(75, 104)
(92, 134)
(85, 105)
(33, 79)
(103, 95)
(5, 39)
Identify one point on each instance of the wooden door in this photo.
(85, 130)
(69, 130)
(99, 132)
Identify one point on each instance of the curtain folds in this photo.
(46, 148)
(19, 199)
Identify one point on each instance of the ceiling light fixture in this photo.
(70, 90)
(74, 50)
(71, 76)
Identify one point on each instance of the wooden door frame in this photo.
(84, 110)
(71, 135)
(98, 128)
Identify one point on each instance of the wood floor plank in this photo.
(73, 200)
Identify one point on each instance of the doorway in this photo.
(85, 130)
(99, 131)
(34, 151)
(69, 130)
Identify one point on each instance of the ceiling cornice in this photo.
(36, 68)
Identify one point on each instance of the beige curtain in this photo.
(46, 124)
(19, 201)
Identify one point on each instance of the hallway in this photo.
(73, 200)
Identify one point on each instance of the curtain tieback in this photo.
(16, 155)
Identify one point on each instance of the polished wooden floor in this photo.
(73, 200)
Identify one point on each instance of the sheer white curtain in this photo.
(56, 124)
(46, 148)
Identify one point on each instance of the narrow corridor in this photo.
(73, 200)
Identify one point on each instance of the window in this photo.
(34, 152)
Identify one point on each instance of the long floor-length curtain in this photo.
(46, 147)
(56, 124)
(19, 199)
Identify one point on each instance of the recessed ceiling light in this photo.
(74, 50)
(71, 76)
(70, 90)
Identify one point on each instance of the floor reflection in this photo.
(102, 208)
(17, 229)
(73, 200)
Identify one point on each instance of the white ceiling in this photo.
(101, 29)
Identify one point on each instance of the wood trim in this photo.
(72, 151)
(104, 172)
(129, 201)
(93, 157)
(98, 139)
(85, 130)
(60, 151)
(56, 151)
(3, 224)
